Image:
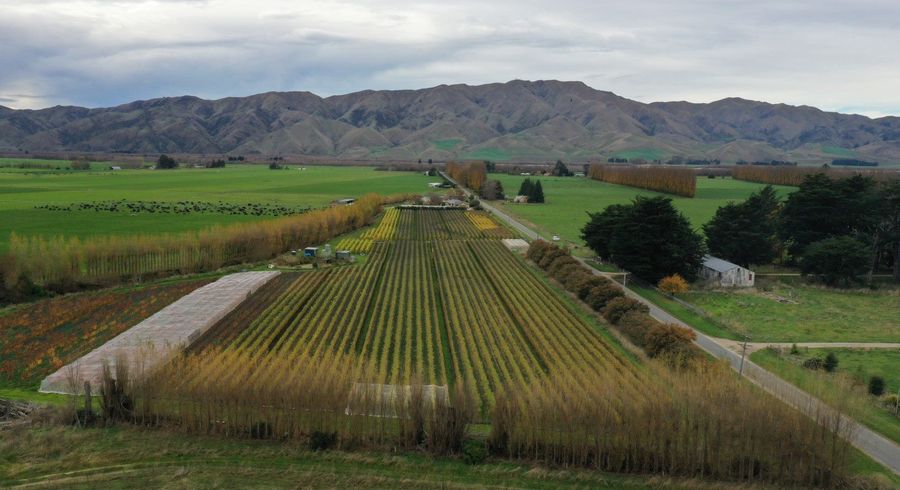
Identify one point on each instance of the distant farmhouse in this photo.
(724, 273)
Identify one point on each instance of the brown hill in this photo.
(518, 120)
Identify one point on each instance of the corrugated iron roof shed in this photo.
(718, 264)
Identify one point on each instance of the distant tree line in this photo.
(471, 175)
(794, 175)
(678, 181)
(767, 163)
(852, 162)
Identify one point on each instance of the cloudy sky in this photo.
(837, 55)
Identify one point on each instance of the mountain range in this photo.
(513, 121)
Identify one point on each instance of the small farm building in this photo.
(435, 185)
(344, 255)
(310, 251)
(521, 199)
(724, 273)
(516, 245)
(115, 167)
(348, 200)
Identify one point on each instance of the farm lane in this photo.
(868, 441)
(737, 345)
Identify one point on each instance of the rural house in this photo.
(725, 273)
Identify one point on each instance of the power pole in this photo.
(743, 354)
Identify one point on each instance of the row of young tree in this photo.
(794, 175)
(678, 181)
(471, 175)
(835, 229)
(63, 264)
(700, 421)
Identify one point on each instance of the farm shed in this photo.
(346, 201)
(344, 255)
(310, 251)
(435, 185)
(516, 245)
(521, 199)
(725, 273)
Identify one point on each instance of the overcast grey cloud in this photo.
(837, 55)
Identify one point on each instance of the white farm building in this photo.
(724, 273)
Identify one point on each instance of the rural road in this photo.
(868, 441)
(737, 345)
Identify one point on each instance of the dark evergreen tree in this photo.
(525, 188)
(649, 238)
(876, 385)
(886, 238)
(837, 260)
(831, 362)
(537, 193)
(560, 170)
(166, 162)
(599, 229)
(823, 208)
(745, 233)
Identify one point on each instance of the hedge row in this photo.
(630, 316)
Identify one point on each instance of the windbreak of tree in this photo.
(678, 181)
(858, 208)
(791, 175)
(471, 175)
(61, 263)
(834, 228)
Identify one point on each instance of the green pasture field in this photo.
(569, 199)
(812, 314)
(839, 151)
(9, 165)
(126, 457)
(642, 153)
(314, 187)
(855, 365)
(488, 154)
(447, 144)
